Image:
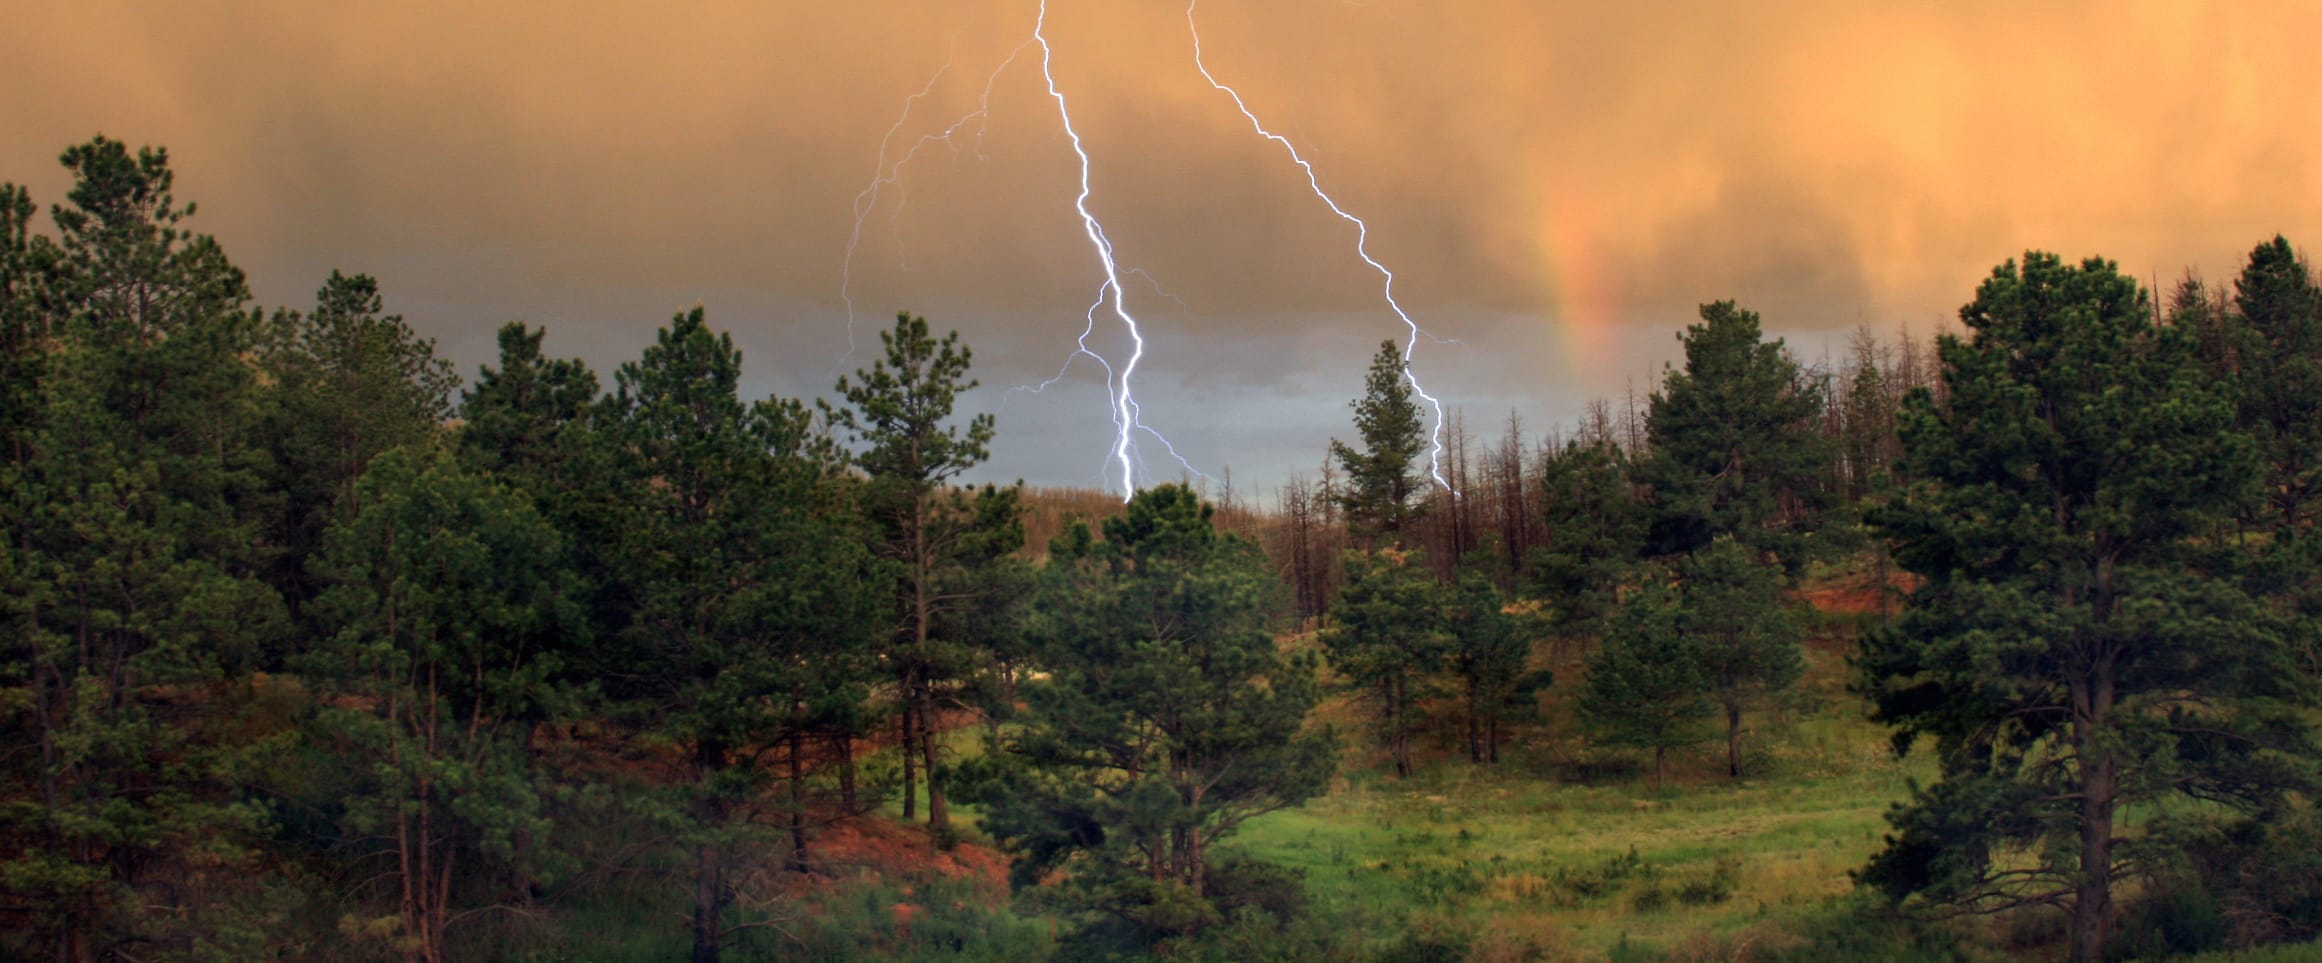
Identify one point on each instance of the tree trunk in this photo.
(910, 762)
(1733, 713)
(708, 903)
(709, 878)
(798, 795)
(922, 585)
(843, 745)
(2099, 778)
(1398, 739)
(1475, 746)
(1660, 766)
(938, 814)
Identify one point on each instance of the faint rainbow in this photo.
(1580, 294)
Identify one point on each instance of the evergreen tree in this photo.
(134, 509)
(1749, 646)
(1595, 530)
(1735, 450)
(533, 423)
(1490, 655)
(936, 536)
(350, 382)
(2280, 355)
(27, 263)
(528, 419)
(2075, 650)
(1646, 688)
(746, 581)
(1168, 717)
(1383, 478)
(1387, 634)
(448, 605)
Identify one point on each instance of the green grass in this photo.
(1525, 863)
(1509, 849)
(1559, 853)
(958, 745)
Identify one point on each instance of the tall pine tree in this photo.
(1168, 717)
(2075, 651)
(936, 536)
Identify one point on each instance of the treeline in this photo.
(311, 654)
(1507, 483)
(2096, 513)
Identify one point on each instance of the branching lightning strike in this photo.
(1126, 413)
(1362, 246)
(1125, 407)
(884, 175)
(1122, 403)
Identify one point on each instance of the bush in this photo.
(1238, 885)
(2178, 916)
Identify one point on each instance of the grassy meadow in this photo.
(1561, 852)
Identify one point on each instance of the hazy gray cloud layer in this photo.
(1557, 184)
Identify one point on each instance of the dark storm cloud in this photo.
(1556, 184)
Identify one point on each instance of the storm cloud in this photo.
(1557, 185)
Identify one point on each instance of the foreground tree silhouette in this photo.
(2072, 651)
(1168, 719)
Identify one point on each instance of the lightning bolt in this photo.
(1122, 406)
(1124, 401)
(1362, 246)
(885, 175)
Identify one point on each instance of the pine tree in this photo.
(448, 606)
(528, 419)
(1385, 476)
(2280, 353)
(2078, 650)
(27, 262)
(747, 586)
(135, 507)
(1749, 646)
(935, 535)
(1168, 718)
(1387, 635)
(1490, 655)
(1646, 688)
(1595, 529)
(1735, 450)
(351, 381)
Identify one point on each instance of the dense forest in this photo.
(315, 651)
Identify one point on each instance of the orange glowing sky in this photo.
(1557, 184)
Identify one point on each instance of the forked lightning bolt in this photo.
(885, 175)
(1122, 403)
(1126, 413)
(1362, 245)
(1125, 409)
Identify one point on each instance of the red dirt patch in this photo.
(880, 849)
(1860, 594)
